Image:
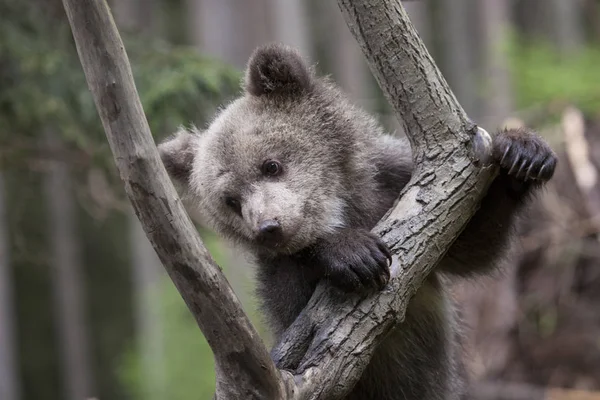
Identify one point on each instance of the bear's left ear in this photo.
(177, 154)
(277, 69)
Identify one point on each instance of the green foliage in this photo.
(543, 77)
(43, 84)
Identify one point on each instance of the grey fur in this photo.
(341, 174)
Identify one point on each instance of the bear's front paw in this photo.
(524, 156)
(354, 260)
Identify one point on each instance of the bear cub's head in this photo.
(272, 170)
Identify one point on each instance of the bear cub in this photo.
(297, 175)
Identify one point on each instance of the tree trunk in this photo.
(9, 368)
(494, 24)
(69, 287)
(567, 27)
(449, 152)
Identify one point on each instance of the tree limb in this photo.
(327, 350)
(242, 361)
(330, 351)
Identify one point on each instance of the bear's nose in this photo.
(270, 230)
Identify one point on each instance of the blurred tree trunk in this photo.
(228, 29)
(9, 382)
(290, 24)
(69, 289)
(491, 306)
(346, 59)
(496, 98)
(212, 27)
(456, 50)
(147, 275)
(140, 16)
(420, 16)
(559, 21)
(591, 12)
(533, 18)
(567, 26)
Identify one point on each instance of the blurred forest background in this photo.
(85, 308)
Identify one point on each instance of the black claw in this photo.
(505, 153)
(524, 155)
(539, 175)
(355, 260)
(385, 250)
(521, 167)
(528, 173)
(515, 163)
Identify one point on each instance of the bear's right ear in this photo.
(177, 154)
(277, 69)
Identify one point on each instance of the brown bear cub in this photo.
(298, 176)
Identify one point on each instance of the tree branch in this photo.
(328, 350)
(242, 361)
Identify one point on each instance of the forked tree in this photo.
(329, 343)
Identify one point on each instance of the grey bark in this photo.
(244, 368)
(339, 336)
(67, 281)
(9, 375)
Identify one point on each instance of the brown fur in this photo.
(340, 173)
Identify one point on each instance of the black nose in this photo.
(270, 230)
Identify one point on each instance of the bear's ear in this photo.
(177, 154)
(277, 69)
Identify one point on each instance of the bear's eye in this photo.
(271, 168)
(234, 204)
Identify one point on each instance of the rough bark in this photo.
(244, 368)
(433, 209)
(336, 337)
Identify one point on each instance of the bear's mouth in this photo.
(288, 244)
